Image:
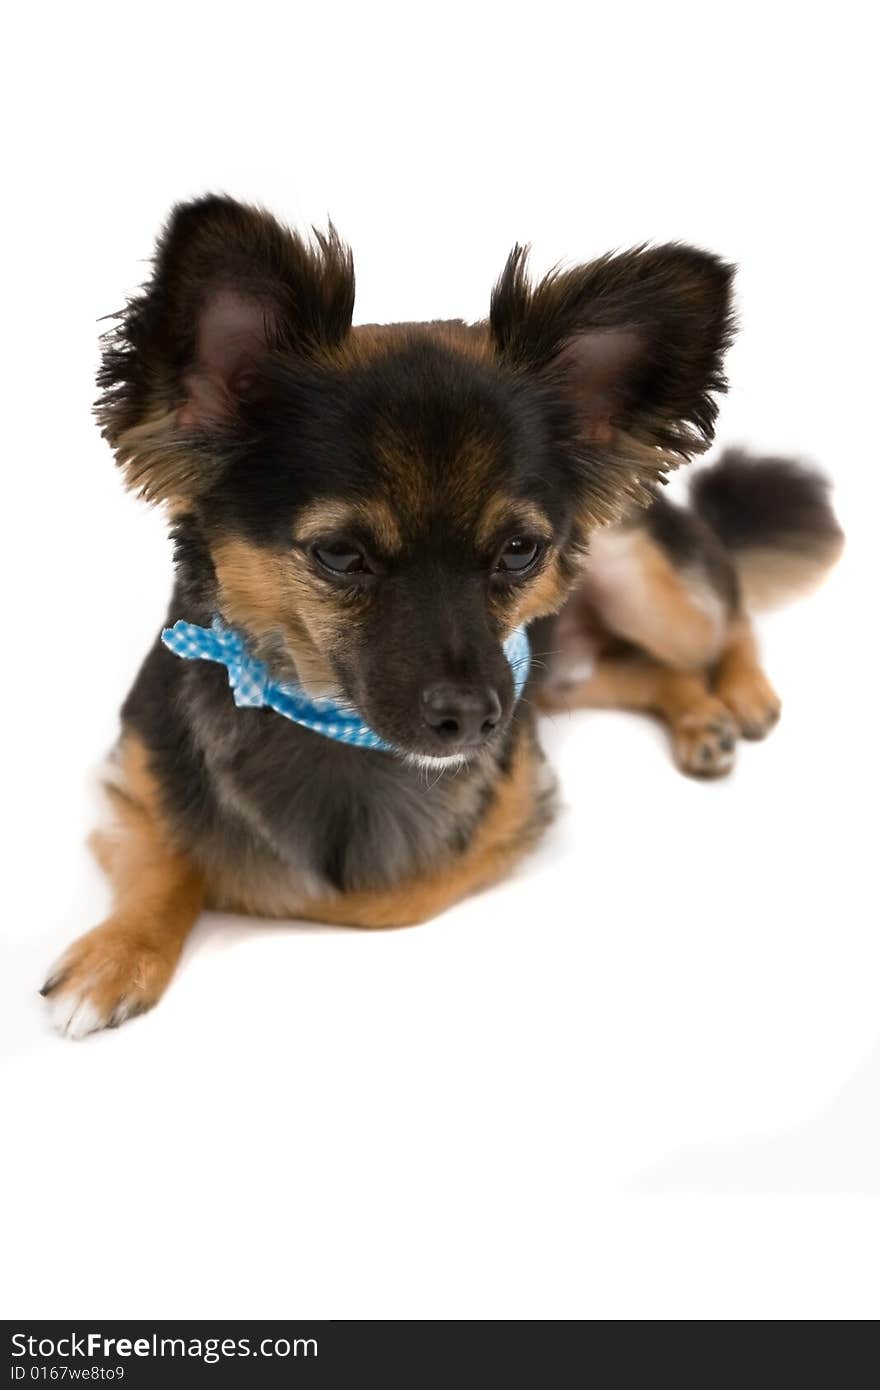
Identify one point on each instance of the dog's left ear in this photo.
(633, 346)
(231, 290)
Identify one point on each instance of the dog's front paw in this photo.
(705, 741)
(107, 976)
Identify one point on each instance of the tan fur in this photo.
(162, 894)
(640, 596)
(123, 966)
(503, 517)
(703, 732)
(369, 341)
(252, 891)
(274, 597)
(256, 889)
(741, 684)
(769, 578)
(331, 516)
(509, 827)
(158, 462)
(392, 447)
(697, 668)
(410, 485)
(546, 593)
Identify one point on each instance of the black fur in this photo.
(676, 302)
(233, 389)
(765, 503)
(248, 788)
(308, 292)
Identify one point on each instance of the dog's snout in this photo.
(462, 716)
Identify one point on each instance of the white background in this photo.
(639, 1079)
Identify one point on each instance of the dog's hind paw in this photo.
(753, 703)
(705, 741)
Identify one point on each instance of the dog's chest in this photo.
(298, 816)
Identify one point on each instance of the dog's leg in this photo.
(122, 967)
(676, 621)
(703, 732)
(741, 684)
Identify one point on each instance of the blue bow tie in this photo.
(252, 686)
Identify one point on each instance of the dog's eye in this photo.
(518, 555)
(341, 557)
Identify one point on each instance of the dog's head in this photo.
(382, 506)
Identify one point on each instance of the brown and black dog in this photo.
(375, 510)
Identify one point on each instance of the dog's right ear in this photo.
(632, 346)
(230, 288)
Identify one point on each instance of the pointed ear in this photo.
(230, 288)
(233, 335)
(633, 345)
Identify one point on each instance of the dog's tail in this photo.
(775, 518)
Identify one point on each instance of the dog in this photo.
(370, 519)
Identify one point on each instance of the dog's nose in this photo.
(462, 716)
